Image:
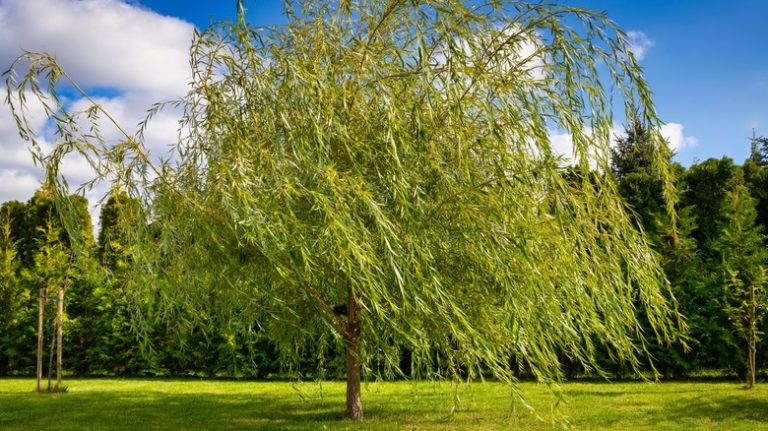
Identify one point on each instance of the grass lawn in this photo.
(129, 404)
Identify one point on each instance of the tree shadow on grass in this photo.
(720, 409)
(265, 408)
(657, 407)
(163, 411)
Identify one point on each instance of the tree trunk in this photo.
(59, 333)
(752, 339)
(354, 402)
(40, 318)
(752, 370)
(50, 354)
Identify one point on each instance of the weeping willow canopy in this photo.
(382, 175)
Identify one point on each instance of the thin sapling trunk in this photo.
(752, 337)
(40, 322)
(59, 335)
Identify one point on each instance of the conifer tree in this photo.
(744, 260)
(9, 288)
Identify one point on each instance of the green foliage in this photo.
(387, 153)
(642, 193)
(744, 260)
(741, 240)
(113, 241)
(38, 213)
(759, 150)
(705, 188)
(101, 339)
(10, 298)
(15, 213)
(706, 184)
(45, 259)
(83, 322)
(756, 180)
(51, 260)
(636, 151)
(390, 156)
(642, 190)
(718, 242)
(687, 275)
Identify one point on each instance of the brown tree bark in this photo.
(752, 339)
(40, 318)
(59, 335)
(50, 355)
(354, 402)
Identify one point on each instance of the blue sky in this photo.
(705, 61)
(707, 66)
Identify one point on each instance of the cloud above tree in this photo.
(127, 56)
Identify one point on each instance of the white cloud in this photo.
(17, 184)
(130, 108)
(673, 133)
(639, 44)
(140, 56)
(104, 43)
(562, 142)
(523, 56)
(19, 176)
(676, 137)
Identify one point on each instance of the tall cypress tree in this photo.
(9, 290)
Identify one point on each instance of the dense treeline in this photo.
(712, 255)
(714, 251)
(99, 337)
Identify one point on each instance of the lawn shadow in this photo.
(279, 407)
(147, 409)
(657, 406)
(104, 410)
(720, 409)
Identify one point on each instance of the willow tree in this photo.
(379, 175)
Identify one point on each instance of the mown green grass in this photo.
(128, 404)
